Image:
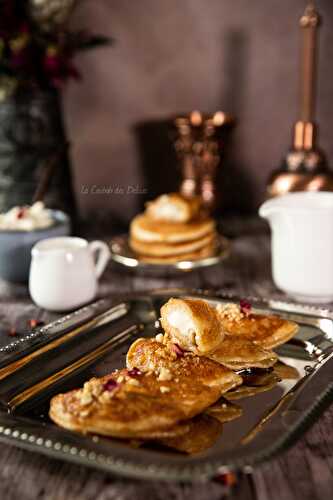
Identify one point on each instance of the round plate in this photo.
(122, 254)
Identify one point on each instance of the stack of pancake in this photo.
(171, 389)
(172, 229)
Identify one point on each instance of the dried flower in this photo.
(245, 307)
(36, 46)
(21, 213)
(134, 372)
(178, 350)
(110, 385)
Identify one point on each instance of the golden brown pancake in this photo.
(193, 324)
(203, 253)
(268, 331)
(145, 229)
(170, 249)
(202, 434)
(118, 413)
(174, 207)
(238, 353)
(149, 355)
(141, 404)
(224, 411)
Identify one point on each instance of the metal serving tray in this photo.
(271, 421)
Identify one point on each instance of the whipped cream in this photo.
(27, 218)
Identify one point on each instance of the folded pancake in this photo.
(117, 413)
(170, 249)
(168, 364)
(174, 207)
(144, 228)
(238, 353)
(193, 324)
(268, 331)
(202, 434)
(203, 253)
(133, 404)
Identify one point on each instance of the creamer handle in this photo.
(101, 254)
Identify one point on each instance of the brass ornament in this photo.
(198, 146)
(305, 166)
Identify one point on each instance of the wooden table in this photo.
(304, 472)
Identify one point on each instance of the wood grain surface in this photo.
(304, 472)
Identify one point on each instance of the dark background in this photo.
(172, 56)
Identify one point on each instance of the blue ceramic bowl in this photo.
(15, 247)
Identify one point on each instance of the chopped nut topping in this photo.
(164, 389)
(159, 337)
(231, 312)
(150, 366)
(89, 386)
(164, 374)
(84, 413)
(96, 390)
(106, 396)
(86, 398)
(133, 381)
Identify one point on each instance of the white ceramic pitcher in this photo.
(64, 272)
(302, 244)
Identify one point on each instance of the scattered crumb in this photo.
(164, 374)
(159, 337)
(164, 389)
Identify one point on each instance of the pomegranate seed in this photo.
(110, 385)
(178, 350)
(134, 372)
(21, 213)
(245, 307)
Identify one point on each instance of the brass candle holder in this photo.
(198, 145)
(305, 166)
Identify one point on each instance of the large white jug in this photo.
(302, 244)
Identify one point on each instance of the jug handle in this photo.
(101, 253)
